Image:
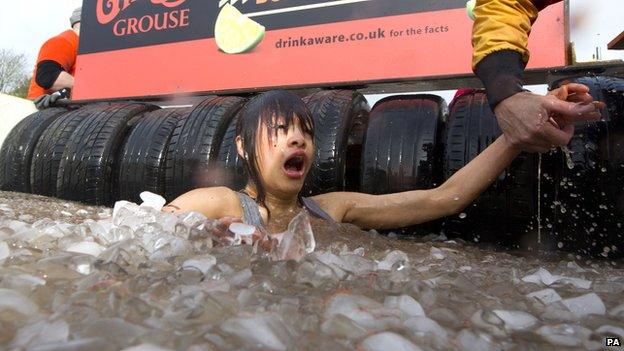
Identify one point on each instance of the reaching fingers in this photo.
(568, 112)
(582, 98)
(576, 88)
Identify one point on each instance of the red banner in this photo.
(377, 47)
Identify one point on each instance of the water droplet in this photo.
(560, 245)
(463, 215)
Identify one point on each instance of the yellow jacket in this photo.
(500, 37)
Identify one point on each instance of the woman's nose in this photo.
(296, 138)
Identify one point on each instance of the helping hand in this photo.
(524, 117)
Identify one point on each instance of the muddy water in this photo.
(74, 278)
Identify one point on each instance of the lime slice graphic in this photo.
(235, 33)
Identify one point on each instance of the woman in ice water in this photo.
(275, 138)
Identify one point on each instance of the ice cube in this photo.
(4, 250)
(242, 229)
(394, 260)
(610, 330)
(423, 326)
(542, 276)
(516, 320)
(152, 200)
(41, 332)
(469, 341)
(13, 300)
(365, 311)
(564, 334)
(262, 330)
(546, 296)
(387, 341)
(87, 248)
(405, 303)
(201, 263)
(617, 311)
(437, 253)
(585, 305)
(296, 241)
(23, 282)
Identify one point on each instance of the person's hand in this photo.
(49, 100)
(526, 118)
(575, 92)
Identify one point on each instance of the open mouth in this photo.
(294, 166)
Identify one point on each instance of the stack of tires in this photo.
(101, 153)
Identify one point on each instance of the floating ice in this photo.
(610, 330)
(165, 281)
(201, 263)
(423, 325)
(87, 248)
(4, 250)
(437, 253)
(470, 341)
(387, 341)
(40, 333)
(297, 241)
(266, 331)
(405, 303)
(585, 305)
(152, 200)
(394, 260)
(543, 276)
(516, 320)
(546, 296)
(564, 334)
(13, 300)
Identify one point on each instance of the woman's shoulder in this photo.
(213, 202)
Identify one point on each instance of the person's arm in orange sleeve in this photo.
(56, 58)
(500, 38)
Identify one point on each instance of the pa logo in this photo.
(613, 341)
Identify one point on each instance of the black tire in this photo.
(578, 190)
(231, 164)
(401, 150)
(142, 157)
(87, 168)
(588, 214)
(505, 213)
(598, 87)
(17, 149)
(49, 150)
(194, 146)
(340, 122)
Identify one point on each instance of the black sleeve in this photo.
(47, 73)
(501, 74)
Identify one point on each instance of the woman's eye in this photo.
(281, 126)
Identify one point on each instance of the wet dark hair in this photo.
(272, 108)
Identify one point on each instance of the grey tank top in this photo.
(251, 210)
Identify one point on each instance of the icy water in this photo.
(74, 277)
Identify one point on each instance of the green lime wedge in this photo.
(235, 33)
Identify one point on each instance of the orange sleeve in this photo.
(59, 50)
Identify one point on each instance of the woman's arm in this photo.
(418, 206)
(214, 203)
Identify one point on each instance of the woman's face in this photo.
(284, 157)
